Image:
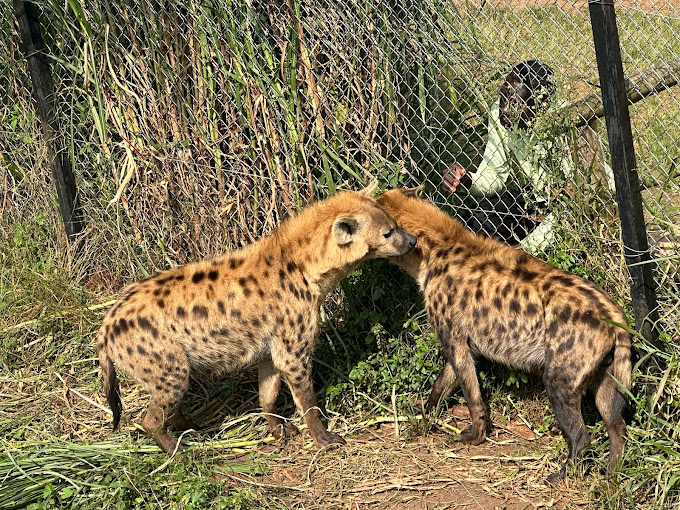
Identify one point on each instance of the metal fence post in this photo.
(619, 134)
(43, 94)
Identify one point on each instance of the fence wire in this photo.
(195, 127)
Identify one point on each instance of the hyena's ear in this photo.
(412, 192)
(370, 189)
(345, 228)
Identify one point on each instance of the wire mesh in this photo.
(195, 127)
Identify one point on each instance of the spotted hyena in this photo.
(258, 305)
(485, 298)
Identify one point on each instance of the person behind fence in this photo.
(521, 170)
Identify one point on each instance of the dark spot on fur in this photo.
(235, 263)
(497, 303)
(563, 279)
(514, 306)
(524, 274)
(269, 260)
(200, 311)
(141, 350)
(212, 275)
(255, 321)
(236, 312)
(198, 276)
(129, 351)
(146, 325)
(463, 300)
(247, 292)
(291, 266)
(181, 312)
(564, 314)
(294, 290)
(590, 320)
(220, 307)
(531, 309)
(160, 303)
(157, 292)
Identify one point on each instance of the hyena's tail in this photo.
(611, 398)
(110, 383)
(622, 365)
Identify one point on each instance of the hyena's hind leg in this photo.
(167, 384)
(610, 402)
(565, 398)
(443, 387)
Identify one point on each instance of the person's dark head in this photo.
(527, 89)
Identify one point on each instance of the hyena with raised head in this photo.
(485, 298)
(258, 305)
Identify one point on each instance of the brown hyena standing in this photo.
(256, 305)
(485, 298)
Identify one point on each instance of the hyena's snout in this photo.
(402, 243)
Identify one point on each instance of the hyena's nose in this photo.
(411, 240)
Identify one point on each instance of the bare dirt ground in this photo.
(378, 469)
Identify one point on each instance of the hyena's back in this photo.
(523, 312)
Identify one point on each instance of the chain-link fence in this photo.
(195, 127)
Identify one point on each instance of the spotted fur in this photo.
(485, 298)
(255, 306)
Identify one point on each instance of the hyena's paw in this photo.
(327, 439)
(285, 430)
(473, 436)
(432, 403)
(557, 477)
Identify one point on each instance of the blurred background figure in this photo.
(520, 171)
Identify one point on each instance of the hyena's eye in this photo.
(387, 234)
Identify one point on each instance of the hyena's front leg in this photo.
(270, 384)
(460, 357)
(295, 367)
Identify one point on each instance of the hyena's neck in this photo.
(307, 256)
